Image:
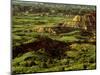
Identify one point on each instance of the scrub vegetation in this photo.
(50, 37)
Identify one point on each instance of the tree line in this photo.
(49, 8)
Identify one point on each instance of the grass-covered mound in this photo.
(54, 48)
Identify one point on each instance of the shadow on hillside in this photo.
(53, 48)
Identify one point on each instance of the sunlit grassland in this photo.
(78, 56)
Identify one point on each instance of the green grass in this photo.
(33, 62)
(68, 38)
